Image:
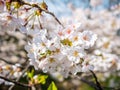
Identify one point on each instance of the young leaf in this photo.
(52, 86)
(42, 79)
(30, 74)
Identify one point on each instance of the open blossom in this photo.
(61, 50)
(88, 39)
(106, 44)
(104, 61)
(9, 22)
(9, 71)
(74, 54)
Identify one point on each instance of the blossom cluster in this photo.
(48, 45)
(105, 53)
(72, 46)
(8, 21)
(69, 49)
(61, 51)
(9, 71)
(13, 71)
(106, 24)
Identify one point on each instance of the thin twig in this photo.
(8, 62)
(96, 87)
(15, 82)
(41, 27)
(40, 9)
(52, 14)
(96, 80)
(90, 83)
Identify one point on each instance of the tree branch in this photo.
(40, 9)
(8, 62)
(96, 80)
(89, 83)
(15, 82)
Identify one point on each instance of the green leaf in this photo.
(30, 74)
(52, 86)
(42, 79)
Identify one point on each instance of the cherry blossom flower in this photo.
(9, 22)
(88, 39)
(52, 51)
